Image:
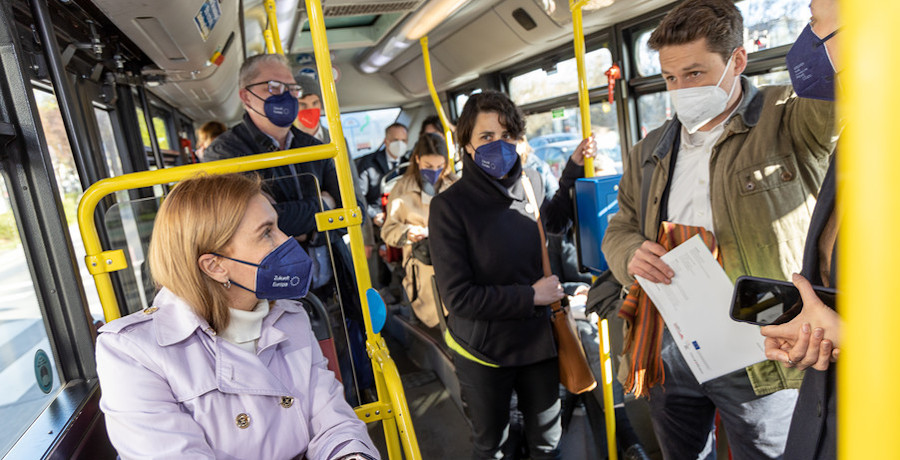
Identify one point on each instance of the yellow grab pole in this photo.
(100, 189)
(869, 206)
(429, 78)
(270, 42)
(388, 379)
(272, 36)
(584, 103)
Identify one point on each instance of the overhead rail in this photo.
(868, 205)
(445, 123)
(391, 408)
(584, 105)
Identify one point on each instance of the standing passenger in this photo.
(224, 364)
(487, 259)
(744, 164)
(406, 224)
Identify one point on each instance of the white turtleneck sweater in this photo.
(245, 327)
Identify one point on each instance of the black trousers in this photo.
(486, 393)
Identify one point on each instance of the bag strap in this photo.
(545, 258)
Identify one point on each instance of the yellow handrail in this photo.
(584, 104)
(869, 207)
(429, 78)
(273, 39)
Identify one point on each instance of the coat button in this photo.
(786, 176)
(750, 186)
(287, 401)
(150, 310)
(242, 420)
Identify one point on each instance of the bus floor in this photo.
(432, 393)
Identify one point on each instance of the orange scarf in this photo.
(643, 341)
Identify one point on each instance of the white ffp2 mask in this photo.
(397, 148)
(695, 107)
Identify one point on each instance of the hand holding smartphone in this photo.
(764, 301)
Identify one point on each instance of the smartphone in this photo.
(764, 301)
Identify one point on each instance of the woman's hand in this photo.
(812, 339)
(547, 290)
(416, 233)
(587, 148)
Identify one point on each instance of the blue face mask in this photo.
(281, 110)
(812, 72)
(496, 158)
(283, 274)
(431, 175)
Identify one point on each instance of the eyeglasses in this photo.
(276, 88)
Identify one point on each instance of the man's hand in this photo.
(811, 339)
(646, 263)
(547, 290)
(378, 220)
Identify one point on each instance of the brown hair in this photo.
(489, 101)
(428, 144)
(209, 131)
(718, 21)
(198, 217)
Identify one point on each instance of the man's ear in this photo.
(245, 96)
(740, 60)
(211, 266)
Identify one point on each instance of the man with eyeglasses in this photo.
(270, 96)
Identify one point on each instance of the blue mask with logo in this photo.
(431, 175)
(810, 67)
(496, 158)
(284, 273)
(281, 110)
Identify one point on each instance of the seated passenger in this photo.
(224, 364)
(486, 249)
(207, 133)
(406, 224)
(432, 125)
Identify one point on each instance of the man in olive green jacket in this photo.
(746, 164)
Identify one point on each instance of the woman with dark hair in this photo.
(487, 250)
(406, 224)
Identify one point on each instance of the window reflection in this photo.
(555, 134)
(771, 23)
(27, 388)
(541, 84)
(364, 130)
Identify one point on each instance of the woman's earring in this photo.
(227, 284)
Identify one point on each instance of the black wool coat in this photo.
(486, 252)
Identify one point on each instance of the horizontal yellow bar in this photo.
(105, 262)
(338, 218)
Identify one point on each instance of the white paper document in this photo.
(696, 307)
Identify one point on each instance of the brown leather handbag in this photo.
(574, 371)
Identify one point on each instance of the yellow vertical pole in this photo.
(429, 78)
(584, 105)
(869, 203)
(387, 380)
(273, 39)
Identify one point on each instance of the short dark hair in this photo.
(433, 120)
(718, 21)
(395, 125)
(489, 101)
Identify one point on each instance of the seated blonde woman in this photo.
(406, 223)
(223, 364)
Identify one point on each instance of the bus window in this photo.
(364, 130)
(653, 110)
(781, 77)
(555, 134)
(462, 98)
(69, 185)
(542, 84)
(27, 364)
(108, 140)
(646, 58)
(771, 23)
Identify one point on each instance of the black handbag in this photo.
(421, 251)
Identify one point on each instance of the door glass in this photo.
(27, 365)
(69, 187)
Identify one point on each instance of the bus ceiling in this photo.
(197, 47)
